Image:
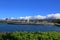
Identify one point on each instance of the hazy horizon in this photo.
(49, 16)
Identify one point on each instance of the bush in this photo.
(30, 36)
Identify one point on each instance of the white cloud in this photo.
(12, 18)
(49, 16)
(33, 17)
(21, 17)
(39, 17)
(53, 16)
(28, 17)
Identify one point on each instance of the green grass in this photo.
(30, 36)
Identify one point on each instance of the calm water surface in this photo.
(29, 28)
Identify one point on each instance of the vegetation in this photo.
(30, 36)
(56, 21)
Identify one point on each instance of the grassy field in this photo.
(30, 36)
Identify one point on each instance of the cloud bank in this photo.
(49, 16)
(53, 16)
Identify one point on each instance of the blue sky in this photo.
(17, 8)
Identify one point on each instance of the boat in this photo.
(56, 24)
